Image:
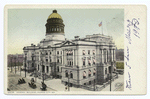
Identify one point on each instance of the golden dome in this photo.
(54, 15)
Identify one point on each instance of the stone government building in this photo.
(83, 60)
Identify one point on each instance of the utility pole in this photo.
(18, 63)
(25, 62)
(15, 64)
(28, 66)
(111, 69)
(94, 84)
(11, 62)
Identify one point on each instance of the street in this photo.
(54, 84)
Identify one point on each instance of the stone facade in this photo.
(80, 61)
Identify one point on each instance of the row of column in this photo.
(107, 55)
(64, 57)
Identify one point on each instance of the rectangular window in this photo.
(57, 52)
(89, 62)
(83, 62)
(83, 52)
(94, 61)
(105, 70)
(93, 52)
(47, 69)
(88, 52)
(46, 60)
(58, 69)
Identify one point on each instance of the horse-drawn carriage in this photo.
(44, 86)
(21, 81)
(32, 85)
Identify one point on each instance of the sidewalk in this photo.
(54, 84)
(116, 84)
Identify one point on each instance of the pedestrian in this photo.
(66, 88)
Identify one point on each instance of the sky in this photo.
(26, 26)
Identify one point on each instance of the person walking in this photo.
(66, 88)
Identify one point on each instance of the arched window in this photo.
(55, 29)
(83, 62)
(89, 62)
(84, 74)
(52, 29)
(71, 74)
(83, 52)
(60, 29)
(46, 53)
(89, 73)
(94, 61)
(66, 73)
(93, 52)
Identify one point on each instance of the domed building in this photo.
(77, 62)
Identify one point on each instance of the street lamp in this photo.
(68, 82)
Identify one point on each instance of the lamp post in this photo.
(43, 76)
(28, 66)
(68, 82)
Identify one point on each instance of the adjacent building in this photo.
(80, 61)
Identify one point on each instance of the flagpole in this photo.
(102, 28)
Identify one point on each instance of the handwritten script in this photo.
(132, 29)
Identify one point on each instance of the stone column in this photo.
(114, 55)
(106, 56)
(102, 56)
(65, 58)
(62, 57)
(73, 57)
